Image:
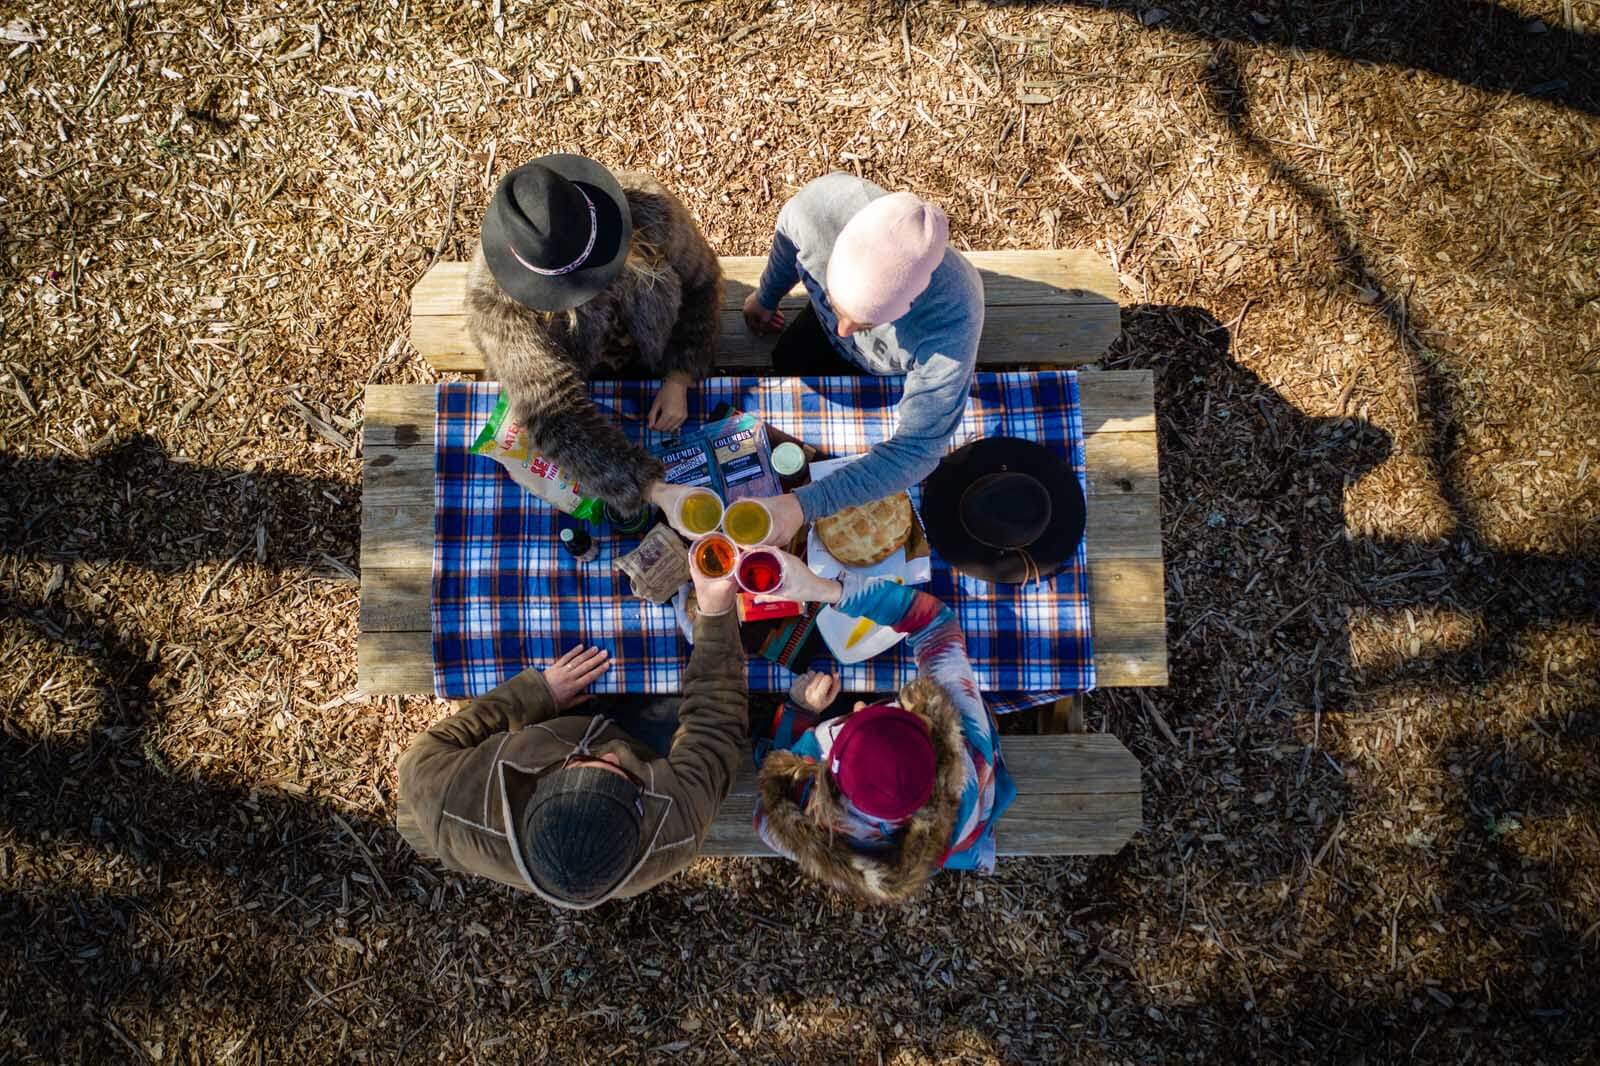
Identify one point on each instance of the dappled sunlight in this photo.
(1356, 251)
(1382, 643)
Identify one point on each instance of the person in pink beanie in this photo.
(884, 257)
(887, 295)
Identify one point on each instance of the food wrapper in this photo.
(687, 462)
(658, 566)
(743, 458)
(503, 440)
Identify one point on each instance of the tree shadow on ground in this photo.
(135, 503)
(109, 790)
(1484, 45)
(1262, 575)
(107, 787)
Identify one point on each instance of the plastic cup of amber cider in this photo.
(699, 512)
(747, 522)
(714, 555)
(761, 571)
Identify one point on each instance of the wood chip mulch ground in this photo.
(1360, 248)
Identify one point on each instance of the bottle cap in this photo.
(567, 535)
(787, 459)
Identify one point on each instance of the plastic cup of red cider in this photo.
(760, 571)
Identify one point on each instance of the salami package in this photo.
(687, 462)
(738, 445)
(503, 441)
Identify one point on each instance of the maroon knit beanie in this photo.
(883, 762)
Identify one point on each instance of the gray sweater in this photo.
(934, 345)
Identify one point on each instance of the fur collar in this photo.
(891, 876)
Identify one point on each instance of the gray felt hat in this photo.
(557, 232)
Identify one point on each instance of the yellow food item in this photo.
(863, 627)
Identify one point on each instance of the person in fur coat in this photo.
(581, 273)
(875, 802)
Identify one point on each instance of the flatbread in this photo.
(868, 534)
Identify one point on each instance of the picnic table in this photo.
(1079, 793)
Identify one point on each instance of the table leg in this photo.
(1063, 716)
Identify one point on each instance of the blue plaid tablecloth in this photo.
(506, 596)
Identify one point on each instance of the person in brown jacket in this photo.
(571, 807)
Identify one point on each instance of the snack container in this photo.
(744, 467)
(503, 440)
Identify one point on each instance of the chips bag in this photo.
(503, 441)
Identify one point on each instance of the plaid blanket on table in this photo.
(505, 595)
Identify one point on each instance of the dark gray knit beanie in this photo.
(581, 834)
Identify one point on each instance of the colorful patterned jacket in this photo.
(801, 814)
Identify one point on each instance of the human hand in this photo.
(803, 584)
(671, 406)
(713, 595)
(575, 671)
(760, 319)
(815, 690)
(666, 497)
(787, 517)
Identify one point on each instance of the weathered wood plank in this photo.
(1040, 306)
(400, 662)
(1066, 336)
(1130, 637)
(397, 525)
(1036, 824)
(1072, 275)
(1125, 594)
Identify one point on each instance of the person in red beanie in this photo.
(877, 801)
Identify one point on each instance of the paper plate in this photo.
(871, 639)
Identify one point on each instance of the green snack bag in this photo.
(502, 440)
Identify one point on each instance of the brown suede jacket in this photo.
(464, 782)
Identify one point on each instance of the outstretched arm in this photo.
(550, 400)
(929, 411)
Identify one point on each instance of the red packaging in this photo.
(751, 611)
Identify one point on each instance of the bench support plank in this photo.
(1077, 795)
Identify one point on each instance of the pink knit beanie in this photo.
(885, 256)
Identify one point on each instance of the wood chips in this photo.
(1358, 247)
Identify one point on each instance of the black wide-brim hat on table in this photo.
(557, 232)
(1005, 510)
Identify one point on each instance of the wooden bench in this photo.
(1079, 794)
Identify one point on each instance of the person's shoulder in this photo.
(638, 183)
(957, 273)
(656, 209)
(839, 184)
(832, 198)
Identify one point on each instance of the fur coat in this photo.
(810, 833)
(660, 314)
